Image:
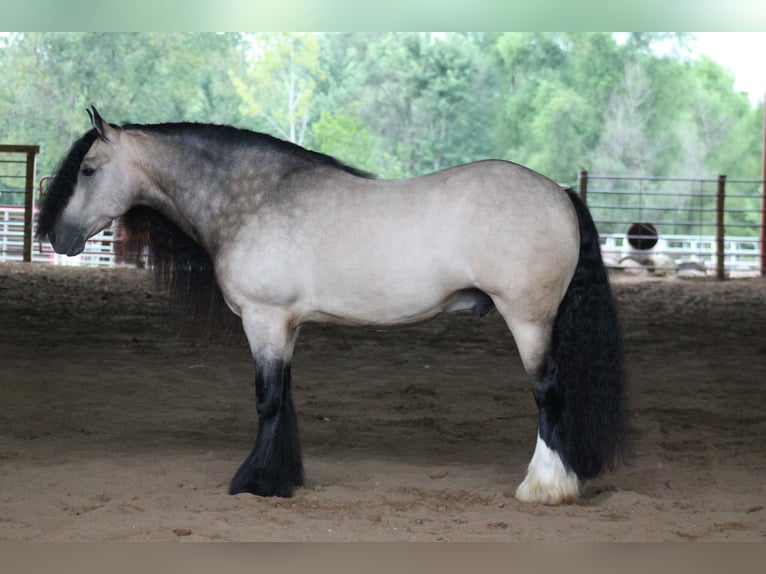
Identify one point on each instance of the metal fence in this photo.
(18, 219)
(17, 186)
(716, 223)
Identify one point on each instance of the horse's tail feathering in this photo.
(587, 349)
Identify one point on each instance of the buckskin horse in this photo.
(289, 236)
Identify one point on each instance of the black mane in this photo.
(223, 135)
(180, 264)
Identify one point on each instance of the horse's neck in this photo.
(181, 187)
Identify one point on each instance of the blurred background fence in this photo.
(715, 225)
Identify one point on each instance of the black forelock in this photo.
(61, 187)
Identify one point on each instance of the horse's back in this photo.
(502, 206)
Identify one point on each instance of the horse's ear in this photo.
(103, 128)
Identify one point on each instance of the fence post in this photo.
(582, 185)
(720, 230)
(763, 197)
(29, 202)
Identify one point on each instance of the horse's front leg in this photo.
(274, 467)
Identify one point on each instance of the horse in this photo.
(286, 236)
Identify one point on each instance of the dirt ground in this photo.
(117, 424)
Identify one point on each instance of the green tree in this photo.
(560, 86)
(399, 104)
(425, 97)
(50, 78)
(527, 62)
(626, 146)
(279, 83)
(347, 137)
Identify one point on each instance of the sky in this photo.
(744, 53)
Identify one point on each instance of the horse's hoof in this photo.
(536, 492)
(547, 480)
(261, 486)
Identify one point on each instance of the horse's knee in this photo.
(269, 387)
(268, 408)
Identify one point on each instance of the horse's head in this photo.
(90, 189)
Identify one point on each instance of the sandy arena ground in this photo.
(116, 424)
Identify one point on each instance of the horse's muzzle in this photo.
(67, 241)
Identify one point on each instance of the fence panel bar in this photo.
(583, 186)
(29, 204)
(720, 230)
(763, 195)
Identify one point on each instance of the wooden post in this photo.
(583, 186)
(763, 195)
(720, 230)
(29, 203)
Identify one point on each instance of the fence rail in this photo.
(741, 253)
(719, 222)
(99, 250)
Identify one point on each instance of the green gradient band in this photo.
(392, 15)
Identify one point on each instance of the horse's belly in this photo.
(383, 304)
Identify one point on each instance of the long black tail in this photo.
(587, 354)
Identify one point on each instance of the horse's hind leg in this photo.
(274, 467)
(548, 481)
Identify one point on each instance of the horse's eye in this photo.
(87, 171)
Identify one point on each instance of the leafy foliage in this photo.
(399, 104)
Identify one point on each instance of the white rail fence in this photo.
(99, 249)
(741, 254)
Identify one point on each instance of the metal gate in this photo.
(17, 189)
